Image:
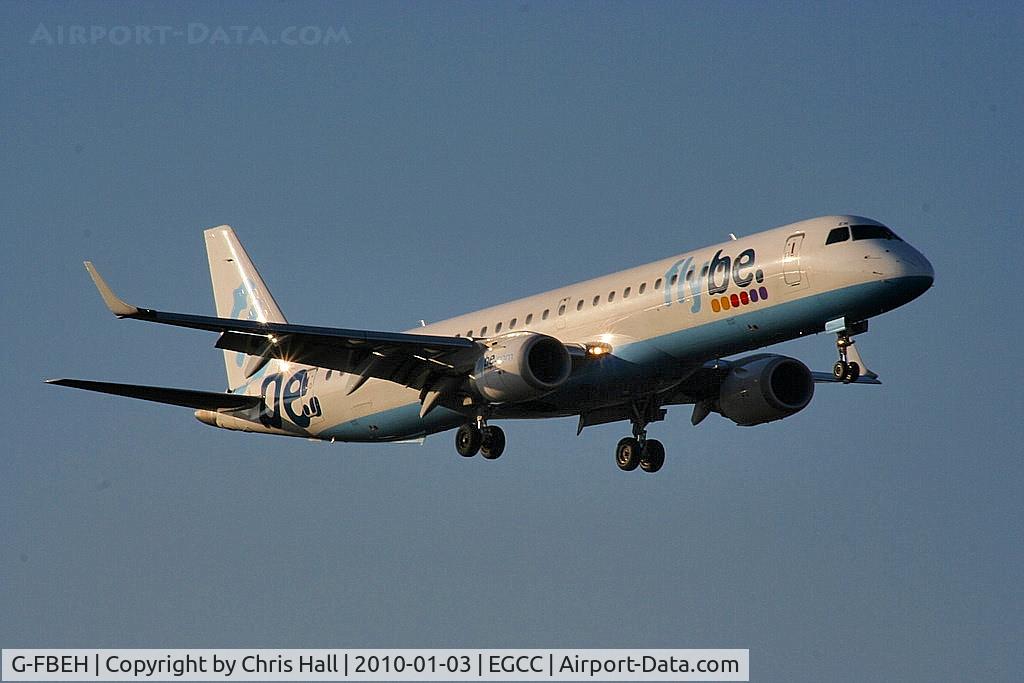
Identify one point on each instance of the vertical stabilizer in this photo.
(238, 290)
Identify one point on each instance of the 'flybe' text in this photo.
(685, 281)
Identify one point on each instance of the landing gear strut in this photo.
(638, 450)
(487, 440)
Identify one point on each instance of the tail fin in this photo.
(238, 290)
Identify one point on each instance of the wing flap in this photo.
(189, 398)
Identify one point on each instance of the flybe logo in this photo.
(713, 279)
(289, 396)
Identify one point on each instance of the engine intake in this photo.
(765, 388)
(520, 367)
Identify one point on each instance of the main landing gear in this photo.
(487, 440)
(638, 450)
(649, 454)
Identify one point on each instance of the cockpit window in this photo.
(838, 235)
(873, 232)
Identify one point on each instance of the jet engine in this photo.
(764, 388)
(520, 367)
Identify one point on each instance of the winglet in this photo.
(113, 302)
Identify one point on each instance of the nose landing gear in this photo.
(845, 370)
(850, 367)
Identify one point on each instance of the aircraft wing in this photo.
(189, 398)
(413, 360)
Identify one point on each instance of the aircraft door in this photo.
(791, 269)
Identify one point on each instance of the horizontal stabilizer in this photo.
(189, 398)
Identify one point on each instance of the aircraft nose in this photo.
(909, 272)
(916, 265)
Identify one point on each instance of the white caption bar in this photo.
(375, 665)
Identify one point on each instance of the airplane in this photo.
(625, 346)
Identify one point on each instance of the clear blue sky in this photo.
(448, 157)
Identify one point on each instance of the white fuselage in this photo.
(657, 322)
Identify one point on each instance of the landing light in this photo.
(598, 349)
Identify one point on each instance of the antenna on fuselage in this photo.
(732, 237)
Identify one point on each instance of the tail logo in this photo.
(240, 297)
(242, 309)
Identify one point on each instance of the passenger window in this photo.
(330, 372)
(675, 278)
(544, 316)
(529, 319)
(512, 324)
(838, 235)
(483, 331)
(611, 297)
(497, 328)
(561, 310)
(469, 334)
(643, 287)
(579, 305)
(625, 293)
(657, 283)
(597, 299)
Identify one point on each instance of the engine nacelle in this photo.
(521, 366)
(765, 388)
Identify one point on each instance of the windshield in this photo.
(873, 232)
